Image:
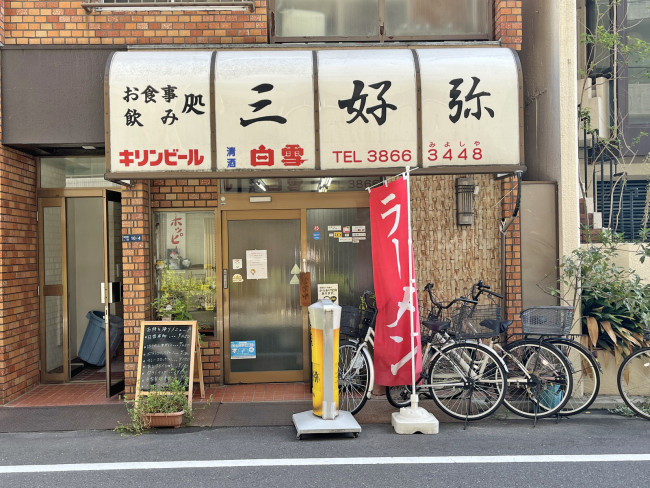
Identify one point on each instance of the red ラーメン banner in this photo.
(390, 263)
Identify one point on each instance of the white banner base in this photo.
(410, 420)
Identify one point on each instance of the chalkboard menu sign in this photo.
(167, 351)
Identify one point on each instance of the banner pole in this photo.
(414, 395)
(413, 418)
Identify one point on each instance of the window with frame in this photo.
(185, 267)
(380, 20)
(627, 22)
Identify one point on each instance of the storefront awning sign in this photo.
(160, 109)
(265, 110)
(367, 109)
(301, 110)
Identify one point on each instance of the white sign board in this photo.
(367, 109)
(265, 110)
(470, 106)
(328, 292)
(160, 111)
(261, 112)
(256, 265)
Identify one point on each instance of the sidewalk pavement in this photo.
(213, 415)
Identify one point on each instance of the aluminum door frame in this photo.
(265, 376)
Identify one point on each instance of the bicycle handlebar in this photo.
(440, 306)
(483, 288)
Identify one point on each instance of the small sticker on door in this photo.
(237, 278)
(237, 264)
(243, 350)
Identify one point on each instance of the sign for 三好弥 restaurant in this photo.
(367, 109)
(470, 107)
(264, 104)
(160, 111)
(254, 111)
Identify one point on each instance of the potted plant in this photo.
(165, 406)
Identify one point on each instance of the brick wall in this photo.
(19, 308)
(2, 22)
(513, 303)
(137, 283)
(46, 22)
(190, 193)
(508, 23)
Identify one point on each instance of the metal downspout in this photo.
(503, 229)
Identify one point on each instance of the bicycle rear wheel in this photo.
(539, 379)
(354, 377)
(467, 381)
(633, 380)
(585, 372)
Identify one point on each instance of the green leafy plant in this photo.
(614, 302)
(170, 305)
(171, 398)
(626, 411)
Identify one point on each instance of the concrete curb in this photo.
(106, 417)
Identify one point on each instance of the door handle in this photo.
(225, 279)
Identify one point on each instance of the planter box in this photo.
(164, 419)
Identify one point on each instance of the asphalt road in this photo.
(592, 449)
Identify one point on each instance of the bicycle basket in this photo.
(548, 320)
(476, 321)
(368, 318)
(350, 319)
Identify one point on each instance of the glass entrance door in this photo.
(53, 290)
(265, 330)
(81, 316)
(111, 293)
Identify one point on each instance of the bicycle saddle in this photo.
(436, 325)
(496, 325)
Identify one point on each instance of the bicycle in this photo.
(539, 377)
(633, 380)
(356, 372)
(465, 378)
(436, 326)
(585, 368)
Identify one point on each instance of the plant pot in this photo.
(174, 419)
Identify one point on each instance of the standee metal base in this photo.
(308, 423)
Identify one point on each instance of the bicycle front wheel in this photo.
(355, 367)
(539, 379)
(585, 372)
(633, 381)
(467, 381)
